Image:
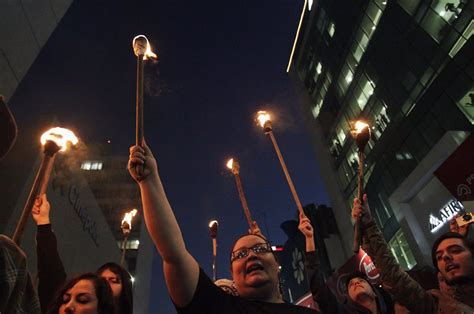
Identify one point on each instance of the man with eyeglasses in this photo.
(254, 268)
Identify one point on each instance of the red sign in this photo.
(360, 262)
(457, 172)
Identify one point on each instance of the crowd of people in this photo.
(255, 286)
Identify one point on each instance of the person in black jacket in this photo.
(51, 272)
(253, 266)
(362, 296)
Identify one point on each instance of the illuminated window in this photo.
(435, 25)
(345, 78)
(319, 68)
(466, 105)
(462, 39)
(91, 165)
(360, 45)
(349, 77)
(317, 108)
(401, 251)
(364, 91)
(331, 29)
(341, 135)
(131, 244)
(449, 10)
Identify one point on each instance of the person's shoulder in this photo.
(7, 245)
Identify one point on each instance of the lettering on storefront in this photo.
(445, 214)
(74, 198)
(88, 224)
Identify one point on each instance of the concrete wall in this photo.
(25, 26)
(84, 238)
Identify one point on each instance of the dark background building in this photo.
(406, 67)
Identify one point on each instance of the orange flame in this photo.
(148, 53)
(359, 126)
(60, 136)
(212, 223)
(230, 163)
(262, 117)
(128, 217)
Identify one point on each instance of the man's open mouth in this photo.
(450, 267)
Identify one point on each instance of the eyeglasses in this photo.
(259, 248)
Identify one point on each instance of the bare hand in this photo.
(454, 227)
(255, 229)
(305, 226)
(363, 211)
(40, 211)
(141, 157)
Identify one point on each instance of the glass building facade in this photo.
(404, 66)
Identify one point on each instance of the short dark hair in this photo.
(126, 296)
(103, 292)
(469, 244)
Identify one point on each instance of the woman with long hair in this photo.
(86, 293)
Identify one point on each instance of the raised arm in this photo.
(51, 273)
(322, 295)
(396, 281)
(307, 230)
(180, 268)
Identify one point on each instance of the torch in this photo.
(126, 228)
(54, 140)
(234, 166)
(264, 118)
(361, 133)
(142, 50)
(213, 229)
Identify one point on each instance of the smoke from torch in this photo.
(54, 140)
(213, 229)
(361, 133)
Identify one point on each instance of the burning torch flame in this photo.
(60, 136)
(359, 126)
(262, 117)
(148, 53)
(212, 223)
(230, 163)
(128, 218)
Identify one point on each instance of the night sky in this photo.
(219, 63)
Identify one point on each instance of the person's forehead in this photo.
(357, 279)
(108, 273)
(248, 241)
(83, 286)
(446, 243)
